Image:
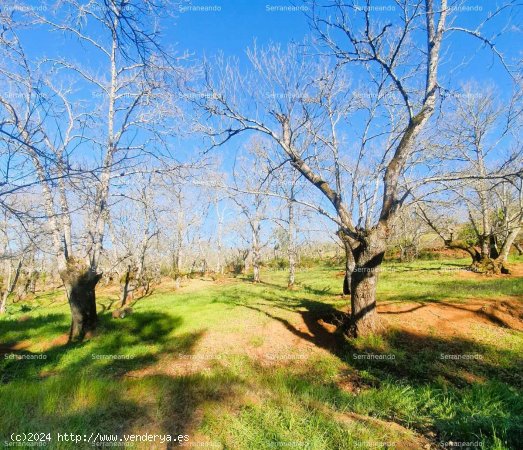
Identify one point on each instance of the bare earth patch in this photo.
(453, 319)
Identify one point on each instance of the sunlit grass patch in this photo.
(241, 391)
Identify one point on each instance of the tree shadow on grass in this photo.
(98, 386)
(82, 404)
(417, 357)
(420, 358)
(443, 289)
(14, 330)
(119, 346)
(479, 377)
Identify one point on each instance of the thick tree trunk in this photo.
(519, 248)
(481, 263)
(350, 263)
(489, 265)
(493, 249)
(80, 284)
(368, 257)
(364, 317)
(505, 248)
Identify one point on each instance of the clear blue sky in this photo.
(236, 25)
(232, 25)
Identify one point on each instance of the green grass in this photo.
(234, 400)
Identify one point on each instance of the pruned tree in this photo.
(124, 122)
(479, 147)
(306, 105)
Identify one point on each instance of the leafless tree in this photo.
(480, 140)
(303, 103)
(123, 123)
(133, 229)
(249, 178)
(407, 232)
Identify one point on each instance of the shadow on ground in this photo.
(92, 387)
(473, 389)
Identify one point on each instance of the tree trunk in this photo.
(349, 262)
(255, 253)
(490, 266)
(11, 284)
(125, 287)
(292, 247)
(494, 252)
(403, 253)
(255, 268)
(518, 247)
(80, 283)
(292, 269)
(505, 248)
(349, 268)
(368, 257)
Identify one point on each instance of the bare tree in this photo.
(133, 229)
(303, 106)
(406, 234)
(480, 140)
(250, 174)
(288, 186)
(123, 123)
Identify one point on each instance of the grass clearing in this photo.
(242, 366)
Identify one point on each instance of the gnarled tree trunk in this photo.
(80, 284)
(368, 257)
(124, 285)
(481, 262)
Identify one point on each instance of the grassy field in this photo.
(240, 366)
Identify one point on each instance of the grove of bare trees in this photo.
(123, 160)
